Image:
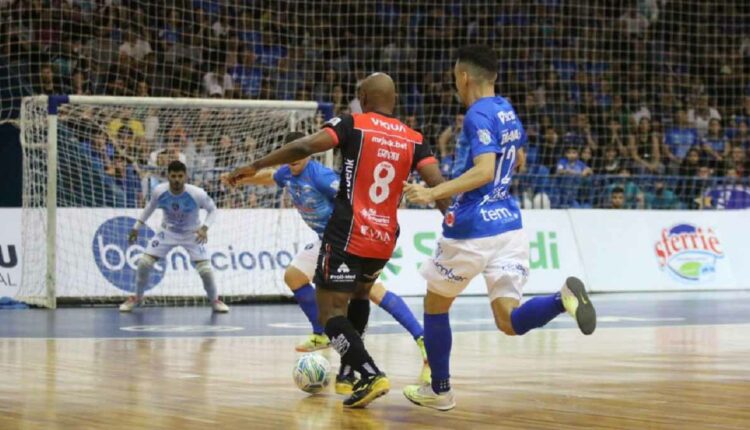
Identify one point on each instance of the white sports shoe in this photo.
(130, 303)
(423, 395)
(219, 306)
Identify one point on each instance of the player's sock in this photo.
(535, 313)
(346, 341)
(145, 264)
(359, 314)
(395, 305)
(305, 296)
(438, 341)
(207, 276)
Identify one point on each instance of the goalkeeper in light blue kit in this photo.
(181, 226)
(482, 230)
(313, 188)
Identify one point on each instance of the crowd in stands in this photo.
(627, 103)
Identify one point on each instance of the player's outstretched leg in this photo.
(345, 339)
(145, 264)
(395, 305)
(438, 342)
(207, 276)
(304, 293)
(513, 319)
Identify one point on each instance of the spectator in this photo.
(679, 139)
(48, 82)
(633, 197)
(616, 199)
(218, 83)
(134, 47)
(447, 144)
(741, 137)
(715, 145)
(173, 151)
(737, 162)
(571, 165)
(550, 150)
(644, 149)
(661, 197)
(248, 76)
(729, 195)
(701, 114)
(80, 83)
(691, 163)
(613, 137)
(610, 164)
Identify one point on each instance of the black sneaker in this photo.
(367, 390)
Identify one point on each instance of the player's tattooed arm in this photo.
(431, 175)
(482, 173)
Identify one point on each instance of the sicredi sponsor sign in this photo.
(10, 251)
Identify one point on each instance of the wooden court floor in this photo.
(664, 377)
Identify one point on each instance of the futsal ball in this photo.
(311, 373)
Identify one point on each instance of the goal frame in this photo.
(54, 102)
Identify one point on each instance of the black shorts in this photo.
(338, 270)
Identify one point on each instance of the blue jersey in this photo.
(312, 192)
(490, 125)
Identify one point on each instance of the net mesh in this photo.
(632, 85)
(110, 158)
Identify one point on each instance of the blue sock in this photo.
(305, 296)
(438, 341)
(536, 312)
(394, 305)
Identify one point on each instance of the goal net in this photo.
(90, 168)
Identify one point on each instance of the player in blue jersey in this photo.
(482, 230)
(181, 226)
(313, 188)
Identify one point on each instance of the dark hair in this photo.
(618, 190)
(176, 166)
(481, 57)
(293, 135)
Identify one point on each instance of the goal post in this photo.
(90, 163)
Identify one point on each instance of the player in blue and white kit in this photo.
(313, 188)
(181, 226)
(482, 230)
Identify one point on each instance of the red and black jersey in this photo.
(379, 152)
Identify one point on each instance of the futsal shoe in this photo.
(314, 342)
(423, 395)
(425, 376)
(345, 384)
(130, 303)
(219, 306)
(367, 390)
(577, 303)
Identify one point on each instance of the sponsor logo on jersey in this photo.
(375, 235)
(343, 274)
(489, 215)
(450, 219)
(377, 122)
(373, 217)
(348, 176)
(511, 136)
(688, 253)
(484, 136)
(507, 115)
(388, 142)
(334, 121)
(447, 272)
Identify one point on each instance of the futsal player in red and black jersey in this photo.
(379, 152)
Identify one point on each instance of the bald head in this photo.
(378, 93)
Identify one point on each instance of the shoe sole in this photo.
(436, 407)
(300, 349)
(585, 314)
(374, 394)
(347, 391)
